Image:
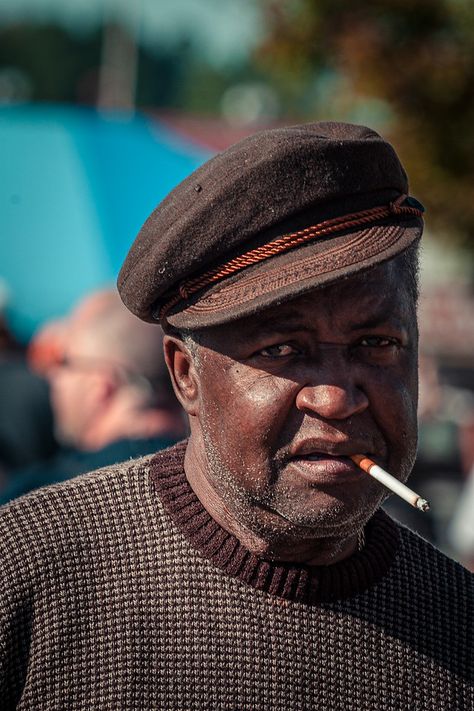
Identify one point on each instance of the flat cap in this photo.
(274, 216)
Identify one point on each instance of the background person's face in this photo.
(76, 391)
(287, 394)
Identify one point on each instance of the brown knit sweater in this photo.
(118, 591)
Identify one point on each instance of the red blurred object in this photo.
(46, 348)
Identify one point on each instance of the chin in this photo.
(330, 518)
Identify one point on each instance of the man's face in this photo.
(288, 394)
(76, 387)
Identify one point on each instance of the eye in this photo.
(279, 350)
(377, 342)
(383, 350)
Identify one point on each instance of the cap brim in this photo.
(296, 272)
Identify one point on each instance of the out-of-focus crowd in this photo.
(92, 389)
(444, 469)
(88, 391)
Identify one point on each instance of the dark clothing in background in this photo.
(119, 591)
(26, 418)
(68, 463)
(437, 476)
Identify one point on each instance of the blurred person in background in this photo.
(110, 392)
(461, 527)
(26, 418)
(444, 459)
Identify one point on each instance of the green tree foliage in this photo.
(53, 60)
(63, 66)
(404, 66)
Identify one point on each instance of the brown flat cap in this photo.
(272, 217)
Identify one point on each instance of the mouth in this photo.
(323, 459)
(319, 467)
(327, 460)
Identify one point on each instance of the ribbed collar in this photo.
(300, 583)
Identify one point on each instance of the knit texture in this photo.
(111, 599)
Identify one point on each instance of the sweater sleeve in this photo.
(47, 539)
(16, 604)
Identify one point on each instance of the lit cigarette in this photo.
(390, 482)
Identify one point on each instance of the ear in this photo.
(183, 373)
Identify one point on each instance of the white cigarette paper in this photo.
(407, 494)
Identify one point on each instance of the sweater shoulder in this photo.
(79, 489)
(51, 522)
(431, 569)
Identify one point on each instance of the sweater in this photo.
(70, 462)
(119, 591)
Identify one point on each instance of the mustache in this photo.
(333, 442)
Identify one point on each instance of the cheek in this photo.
(394, 398)
(70, 395)
(394, 407)
(244, 412)
(59, 391)
(393, 390)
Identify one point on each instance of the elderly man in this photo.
(251, 567)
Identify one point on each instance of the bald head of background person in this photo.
(110, 392)
(111, 381)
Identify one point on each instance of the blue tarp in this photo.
(75, 187)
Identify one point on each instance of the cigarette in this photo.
(367, 465)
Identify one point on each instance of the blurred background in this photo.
(105, 105)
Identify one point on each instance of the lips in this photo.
(318, 457)
(317, 465)
(314, 448)
(323, 461)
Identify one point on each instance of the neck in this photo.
(281, 542)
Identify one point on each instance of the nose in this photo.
(332, 393)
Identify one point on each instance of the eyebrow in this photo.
(292, 322)
(280, 325)
(384, 317)
(383, 313)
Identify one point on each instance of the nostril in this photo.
(331, 401)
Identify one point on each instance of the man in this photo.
(110, 392)
(251, 567)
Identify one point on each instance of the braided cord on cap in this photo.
(284, 243)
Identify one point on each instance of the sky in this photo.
(223, 30)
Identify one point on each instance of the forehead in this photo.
(367, 299)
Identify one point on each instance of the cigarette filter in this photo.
(373, 469)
